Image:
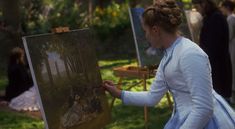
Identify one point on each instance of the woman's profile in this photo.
(184, 71)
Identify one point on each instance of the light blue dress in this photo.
(185, 71)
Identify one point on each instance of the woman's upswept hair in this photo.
(229, 4)
(164, 13)
(210, 6)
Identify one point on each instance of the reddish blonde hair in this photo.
(164, 13)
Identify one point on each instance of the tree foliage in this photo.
(112, 19)
(41, 17)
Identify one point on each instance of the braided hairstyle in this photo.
(164, 13)
(210, 6)
(229, 4)
(16, 54)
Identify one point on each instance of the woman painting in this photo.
(184, 70)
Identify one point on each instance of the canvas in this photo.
(65, 71)
(146, 55)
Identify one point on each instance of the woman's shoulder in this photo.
(16, 68)
(13, 67)
(231, 18)
(188, 47)
(215, 17)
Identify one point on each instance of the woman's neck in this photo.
(169, 39)
(229, 13)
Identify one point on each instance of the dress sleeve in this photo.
(147, 98)
(196, 71)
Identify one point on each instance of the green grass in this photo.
(130, 117)
(123, 117)
(13, 120)
(3, 83)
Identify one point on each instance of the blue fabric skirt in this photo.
(223, 116)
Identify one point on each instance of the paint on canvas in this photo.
(147, 56)
(68, 80)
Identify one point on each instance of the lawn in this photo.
(123, 117)
(3, 83)
(130, 117)
(15, 120)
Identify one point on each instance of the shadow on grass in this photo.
(115, 65)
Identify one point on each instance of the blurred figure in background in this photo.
(194, 20)
(228, 8)
(214, 40)
(19, 77)
(20, 92)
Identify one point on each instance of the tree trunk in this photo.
(9, 35)
(11, 17)
(101, 3)
(11, 13)
(51, 80)
(90, 10)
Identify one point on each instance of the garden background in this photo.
(110, 22)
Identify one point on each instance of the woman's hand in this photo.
(112, 89)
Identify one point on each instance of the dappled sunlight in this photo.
(131, 117)
(123, 117)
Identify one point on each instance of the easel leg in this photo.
(119, 87)
(146, 117)
(145, 107)
(169, 100)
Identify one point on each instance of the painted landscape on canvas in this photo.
(68, 80)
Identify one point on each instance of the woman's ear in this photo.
(155, 29)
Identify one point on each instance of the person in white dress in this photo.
(27, 101)
(184, 71)
(194, 20)
(228, 8)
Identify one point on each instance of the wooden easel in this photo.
(140, 73)
(60, 29)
